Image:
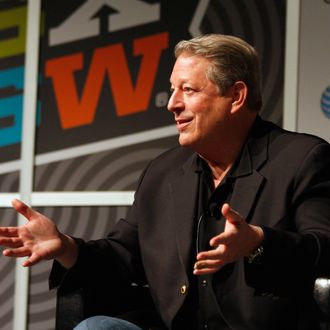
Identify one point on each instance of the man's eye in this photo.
(188, 89)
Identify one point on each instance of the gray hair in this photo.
(232, 59)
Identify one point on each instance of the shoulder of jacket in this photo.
(174, 155)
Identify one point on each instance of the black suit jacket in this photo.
(285, 188)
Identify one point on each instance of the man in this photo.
(229, 230)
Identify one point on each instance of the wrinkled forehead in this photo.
(188, 66)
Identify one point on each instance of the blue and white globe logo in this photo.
(325, 102)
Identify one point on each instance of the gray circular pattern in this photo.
(262, 24)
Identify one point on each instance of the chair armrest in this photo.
(69, 309)
(132, 303)
(322, 295)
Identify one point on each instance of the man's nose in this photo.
(175, 102)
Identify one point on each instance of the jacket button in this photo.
(183, 289)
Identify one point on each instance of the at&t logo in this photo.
(325, 102)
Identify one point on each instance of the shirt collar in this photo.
(242, 165)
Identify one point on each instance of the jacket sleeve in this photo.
(292, 259)
(114, 259)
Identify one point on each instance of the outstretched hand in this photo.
(239, 239)
(38, 239)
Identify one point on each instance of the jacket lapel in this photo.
(184, 209)
(250, 181)
(244, 193)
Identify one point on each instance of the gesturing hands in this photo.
(38, 239)
(238, 239)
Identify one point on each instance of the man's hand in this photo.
(38, 239)
(239, 239)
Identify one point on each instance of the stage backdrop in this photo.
(103, 89)
(313, 111)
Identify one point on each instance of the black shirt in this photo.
(212, 223)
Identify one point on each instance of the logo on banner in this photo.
(104, 70)
(325, 102)
(109, 77)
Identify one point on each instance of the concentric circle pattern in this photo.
(8, 183)
(7, 278)
(261, 23)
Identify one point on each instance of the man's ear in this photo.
(239, 95)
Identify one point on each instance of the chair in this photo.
(76, 305)
(130, 303)
(322, 298)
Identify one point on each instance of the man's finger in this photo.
(231, 215)
(219, 240)
(208, 264)
(216, 253)
(207, 267)
(8, 231)
(17, 252)
(10, 242)
(22, 208)
(205, 271)
(34, 259)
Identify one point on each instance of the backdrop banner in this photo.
(103, 88)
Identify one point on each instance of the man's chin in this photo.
(184, 141)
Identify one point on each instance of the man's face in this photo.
(199, 110)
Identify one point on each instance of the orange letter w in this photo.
(110, 60)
